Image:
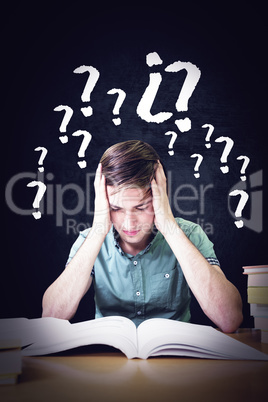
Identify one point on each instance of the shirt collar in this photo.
(115, 237)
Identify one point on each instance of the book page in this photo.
(53, 335)
(29, 330)
(116, 331)
(160, 336)
(44, 331)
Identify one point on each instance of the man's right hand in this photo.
(102, 220)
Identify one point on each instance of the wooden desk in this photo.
(107, 375)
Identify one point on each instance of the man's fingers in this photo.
(100, 179)
(154, 187)
(160, 174)
(98, 174)
(156, 195)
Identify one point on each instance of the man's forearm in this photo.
(218, 298)
(62, 298)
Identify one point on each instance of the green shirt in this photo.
(150, 284)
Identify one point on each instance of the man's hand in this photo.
(102, 220)
(164, 219)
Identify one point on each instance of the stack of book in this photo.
(258, 297)
(10, 361)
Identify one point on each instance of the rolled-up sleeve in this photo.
(199, 238)
(77, 244)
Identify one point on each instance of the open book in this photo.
(154, 337)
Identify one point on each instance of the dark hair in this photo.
(130, 164)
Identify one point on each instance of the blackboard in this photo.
(45, 59)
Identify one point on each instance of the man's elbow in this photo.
(63, 315)
(232, 322)
(50, 309)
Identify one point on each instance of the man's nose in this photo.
(130, 220)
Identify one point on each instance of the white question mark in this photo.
(209, 134)
(90, 84)
(227, 149)
(39, 195)
(155, 79)
(171, 143)
(198, 163)
(83, 147)
(242, 202)
(184, 125)
(244, 166)
(120, 99)
(153, 59)
(147, 100)
(65, 121)
(191, 80)
(42, 157)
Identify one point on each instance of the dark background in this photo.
(40, 49)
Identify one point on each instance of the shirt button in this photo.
(135, 262)
(138, 312)
(167, 276)
(138, 293)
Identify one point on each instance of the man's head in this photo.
(130, 164)
(129, 168)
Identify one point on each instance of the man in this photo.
(141, 259)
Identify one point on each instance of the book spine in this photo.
(258, 310)
(258, 279)
(264, 336)
(261, 323)
(255, 271)
(255, 267)
(258, 294)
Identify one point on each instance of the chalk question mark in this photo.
(155, 79)
(197, 165)
(147, 100)
(209, 134)
(90, 85)
(227, 149)
(39, 195)
(65, 121)
(244, 166)
(241, 204)
(148, 97)
(171, 143)
(188, 87)
(120, 99)
(153, 59)
(42, 157)
(86, 140)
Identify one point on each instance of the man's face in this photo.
(132, 215)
